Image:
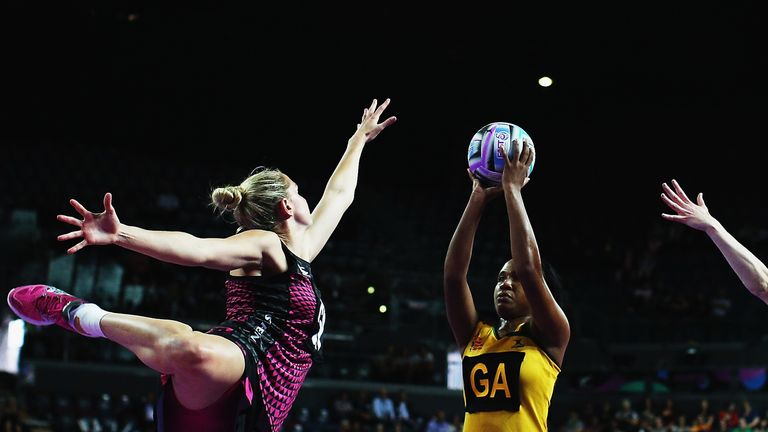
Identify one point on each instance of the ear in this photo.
(285, 209)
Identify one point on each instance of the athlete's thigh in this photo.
(221, 366)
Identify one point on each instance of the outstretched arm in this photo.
(250, 248)
(751, 271)
(340, 190)
(459, 305)
(549, 321)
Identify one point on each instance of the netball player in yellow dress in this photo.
(510, 366)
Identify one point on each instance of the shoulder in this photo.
(481, 332)
(267, 242)
(483, 326)
(261, 236)
(265, 249)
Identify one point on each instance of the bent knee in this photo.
(183, 352)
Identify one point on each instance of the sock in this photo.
(86, 320)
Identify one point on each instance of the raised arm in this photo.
(549, 321)
(459, 305)
(340, 190)
(751, 271)
(247, 249)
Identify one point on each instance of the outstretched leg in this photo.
(203, 366)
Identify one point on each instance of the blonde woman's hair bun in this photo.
(228, 197)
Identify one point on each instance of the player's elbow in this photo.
(210, 262)
(456, 263)
(346, 198)
(343, 194)
(453, 282)
(453, 275)
(761, 289)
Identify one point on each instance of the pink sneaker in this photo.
(43, 305)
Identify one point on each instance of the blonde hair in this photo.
(254, 202)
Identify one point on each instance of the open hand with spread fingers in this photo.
(694, 214)
(94, 228)
(369, 125)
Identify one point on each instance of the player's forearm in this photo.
(460, 248)
(525, 251)
(174, 247)
(343, 181)
(751, 271)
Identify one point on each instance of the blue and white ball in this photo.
(488, 148)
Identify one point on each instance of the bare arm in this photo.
(247, 249)
(549, 320)
(750, 270)
(340, 189)
(459, 305)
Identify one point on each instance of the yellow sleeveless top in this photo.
(508, 382)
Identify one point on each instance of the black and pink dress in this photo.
(277, 321)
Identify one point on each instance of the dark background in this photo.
(642, 92)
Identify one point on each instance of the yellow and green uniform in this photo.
(508, 381)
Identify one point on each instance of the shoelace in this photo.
(50, 303)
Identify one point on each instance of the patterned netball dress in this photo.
(508, 381)
(277, 321)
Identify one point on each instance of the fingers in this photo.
(70, 220)
(521, 152)
(524, 152)
(700, 199)
(677, 218)
(70, 236)
(672, 194)
(374, 110)
(388, 122)
(382, 107)
(77, 247)
(516, 150)
(473, 178)
(673, 205)
(530, 152)
(78, 207)
(680, 191)
(370, 120)
(108, 203)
